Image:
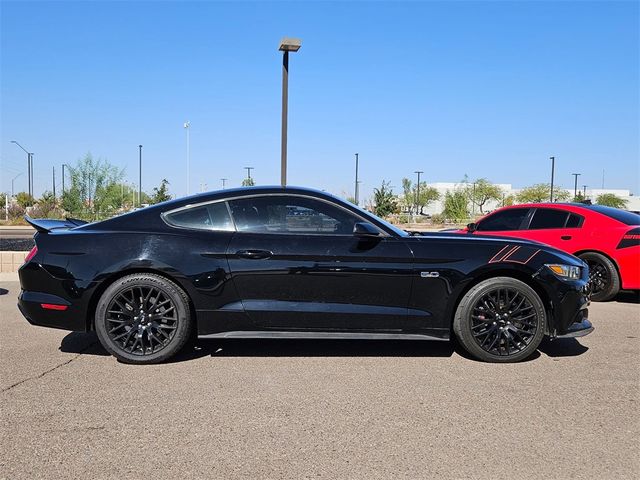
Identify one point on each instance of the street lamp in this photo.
(553, 167)
(286, 45)
(13, 180)
(584, 191)
(575, 185)
(187, 125)
(418, 190)
(29, 167)
(248, 169)
(356, 192)
(224, 182)
(139, 175)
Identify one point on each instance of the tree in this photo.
(161, 193)
(541, 192)
(47, 207)
(578, 198)
(427, 195)
(25, 200)
(456, 205)
(611, 200)
(384, 199)
(248, 182)
(93, 191)
(481, 191)
(410, 195)
(508, 200)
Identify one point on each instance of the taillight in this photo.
(630, 239)
(31, 254)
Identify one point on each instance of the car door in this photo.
(297, 265)
(555, 226)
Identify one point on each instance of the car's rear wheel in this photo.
(143, 318)
(604, 281)
(500, 320)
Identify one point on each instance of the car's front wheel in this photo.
(143, 318)
(500, 319)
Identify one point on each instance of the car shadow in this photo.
(562, 347)
(628, 296)
(3, 291)
(88, 344)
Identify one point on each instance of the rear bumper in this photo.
(31, 304)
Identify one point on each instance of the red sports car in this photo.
(607, 239)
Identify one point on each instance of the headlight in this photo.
(565, 271)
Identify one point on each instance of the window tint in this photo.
(548, 218)
(214, 216)
(283, 214)
(574, 221)
(504, 220)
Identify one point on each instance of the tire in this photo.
(603, 276)
(143, 318)
(500, 320)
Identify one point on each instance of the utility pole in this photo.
(356, 190)
(187, 126)
(54, 182)
(224, 182)
(286, 45)
(418, 191)
(575, 184)
(248, 169)
(584, 191)
(553, 168)
(13, 180)
(140, 176)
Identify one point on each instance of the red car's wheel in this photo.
(603, 277)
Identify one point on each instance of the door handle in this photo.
(254, 254)
(565, 237)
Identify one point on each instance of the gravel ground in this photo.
(321, 409)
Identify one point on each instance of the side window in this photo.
(214, 216)
(283, 214)
(574, 221)
(545, 218)
(510, 219)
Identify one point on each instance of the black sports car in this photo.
(293, 262)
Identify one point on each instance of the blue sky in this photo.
(488, 89)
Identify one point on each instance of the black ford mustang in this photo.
(293, 262)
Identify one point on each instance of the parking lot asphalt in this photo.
(320, 409)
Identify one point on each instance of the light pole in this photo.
(356, 190)
(187, 126)
(29, 167)
(139, 175)
(248, 169)
(224, 182)
(575, 185)
(553, 168)
(54, 182)
(286, 45)
(13, 180)
(63, 165)
(584, 191)
(418, 191)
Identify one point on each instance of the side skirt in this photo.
(324, 335)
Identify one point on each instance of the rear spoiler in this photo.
(46, 225)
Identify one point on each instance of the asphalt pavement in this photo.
(320, 409)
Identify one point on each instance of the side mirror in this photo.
(472, 227)
(364, 229)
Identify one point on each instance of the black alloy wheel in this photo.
(500, 320)
(604, 283)
(143, 318)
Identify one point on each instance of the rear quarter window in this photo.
(214, 216)
(628, 218)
